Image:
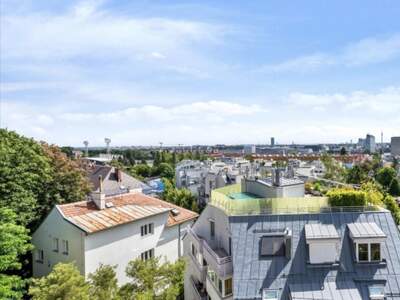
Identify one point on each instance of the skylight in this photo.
(270, 294)
(376, 292)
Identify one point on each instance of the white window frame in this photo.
(39, 256)
(147, 229)
(65, 247)
(376, 296)
(56, 245)
(369, 251)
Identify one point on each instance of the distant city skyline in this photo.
(200, 72)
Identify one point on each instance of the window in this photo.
(270, 294)
(375, 252)
(55, 245)
(147, 254)
(212, 275)
(212, 229)
(147, 229)
(376, 292)
(363, 252)
(194, 250)
(272, 246)
(228, 286)
(65, 247)
(220, 286)
(39, 256)
(230, 246)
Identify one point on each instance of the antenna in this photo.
(108, 141)
(86, 143)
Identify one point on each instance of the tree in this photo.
(142, 170)
(180, 197)
(14, 242)
(103, 284)
(343, 151)
(333, 170)
(356, 175)
(164, 170)
(152, 280)
(387, 177)
(63, 283)
(34, 177)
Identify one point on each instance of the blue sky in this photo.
(200, 72)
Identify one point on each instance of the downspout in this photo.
(179, 240)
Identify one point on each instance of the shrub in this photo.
(347, 197)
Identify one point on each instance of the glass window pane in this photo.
(212, 229)
(228, 286)
(376, 252)
(363, 252)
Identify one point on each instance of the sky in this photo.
(200, 72)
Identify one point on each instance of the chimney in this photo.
(277, 177)
(98, 197)
(118, 174)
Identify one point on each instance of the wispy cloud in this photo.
(364, 52)
(385, 101)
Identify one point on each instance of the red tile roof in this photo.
(126, 208)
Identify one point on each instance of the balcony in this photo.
(213, 253)
(213, 291)
(199, 288)
(218, 259)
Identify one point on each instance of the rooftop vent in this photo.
(175, 212)
(109, 204)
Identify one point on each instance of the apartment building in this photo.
(263, 245)
(110, 230)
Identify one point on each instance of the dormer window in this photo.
(323, 243)
(367, 239)
(276, 243)
(376, 292)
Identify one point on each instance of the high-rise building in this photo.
(370, 145)
(395, 145)
(272, 142)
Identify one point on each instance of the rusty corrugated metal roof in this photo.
(126, 208)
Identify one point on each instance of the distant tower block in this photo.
(108, 142)
(272, 142)
(86, 143)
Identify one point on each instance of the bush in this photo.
(347, 197)
(392, 205)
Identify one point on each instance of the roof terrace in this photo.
(234, 202)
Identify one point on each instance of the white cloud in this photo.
(210, 111)
(385, 101)
(363, 52)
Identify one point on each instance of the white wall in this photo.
(121, 244)
(54, 226)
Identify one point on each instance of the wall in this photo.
(121, 244)
(55, 226)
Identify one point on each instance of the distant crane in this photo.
(86, 143)
(108, 142)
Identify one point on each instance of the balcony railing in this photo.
(214, 254)
(199, 289)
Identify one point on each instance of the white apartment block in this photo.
(110, 230)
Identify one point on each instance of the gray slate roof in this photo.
(111, 186)
(284, 181)
(252, 273)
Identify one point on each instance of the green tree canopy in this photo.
(63, 283)
(387, 177)
(34, 177)
(346, 197)
(14, 242)
(103, 284)
(152, 280)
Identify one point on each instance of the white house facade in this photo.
(112, 231)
